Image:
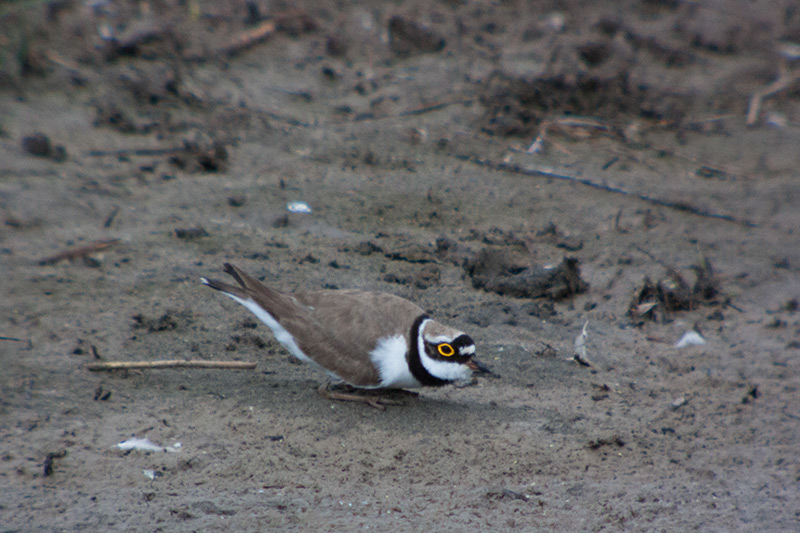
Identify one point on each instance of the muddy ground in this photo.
(452, 153)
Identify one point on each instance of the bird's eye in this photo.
(445, 349)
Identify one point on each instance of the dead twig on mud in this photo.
(146, 152)
(429, 108)
(81, 252)
(577, 126)
(249, 38)
(785, 79)
(412, 112)
(549, 173)
(110, 218)
(178, 363)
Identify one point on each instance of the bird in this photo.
(367, 341)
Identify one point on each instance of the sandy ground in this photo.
(176, 133)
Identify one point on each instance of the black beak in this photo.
(477, 366)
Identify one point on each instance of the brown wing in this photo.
(337, 329)
(348, 324)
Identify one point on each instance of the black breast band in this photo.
(414, 361)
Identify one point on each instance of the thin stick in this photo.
(250, 38)
(548, 173)
(785, 79)
(178, 363)
(426, 109)
(135, 152)
(75, 253)
(413, 112)
(110, 218)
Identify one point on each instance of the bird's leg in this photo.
(373, 398)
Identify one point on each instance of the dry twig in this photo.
(76, 253)
(249, 38)
(178, 363)
(785, 79)
(552, 174)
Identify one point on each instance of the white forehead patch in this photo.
(467, 350)
(439, 339)
(437, 333)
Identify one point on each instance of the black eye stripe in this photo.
(462, 341)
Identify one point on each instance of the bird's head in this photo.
(447, 353)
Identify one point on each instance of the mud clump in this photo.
(195, 157)
(39, 145)
(506, 273)
(408, 37)
(169, 321)
(516, 106)
(657, 301)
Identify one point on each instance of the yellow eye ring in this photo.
(445, 350)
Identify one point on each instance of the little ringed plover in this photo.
(368, 340)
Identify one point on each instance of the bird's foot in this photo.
(378, 399)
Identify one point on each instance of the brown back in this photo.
(337, 329)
